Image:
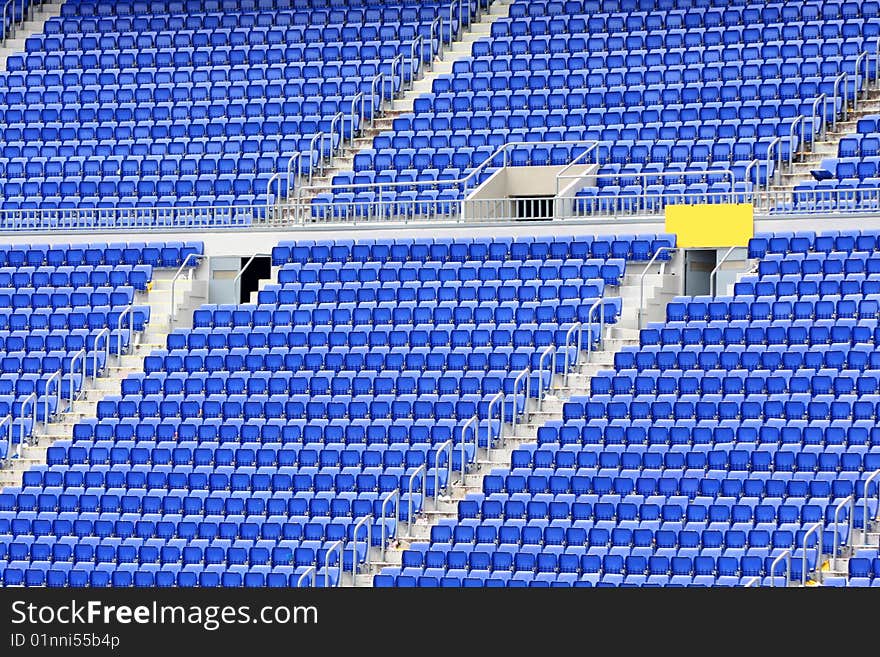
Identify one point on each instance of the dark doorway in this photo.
(698, 266)
(534, 209)
(260, 268)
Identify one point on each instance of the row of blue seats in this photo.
(611, 382)
(136, 276)
(274, 433)
(140, 577)
(159, 254)
(770, 29)
(751, 308)
(459, 250)
(45, 340)
(339, 455)
(775, 247)
(641, 436)
(619, 10)
(80, 317)
(225, 481)
(65, 297)
(799, 332)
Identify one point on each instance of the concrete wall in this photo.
(241, 242)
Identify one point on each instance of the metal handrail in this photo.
(579, 327)
(756, 578)
(868, 481)
(415, 62)
(237, 279)
(498, 397)
(128, 310)
(81, 354)
(591, 149)
(785, 554)
(197, 256)
(55, 375)
(315, 137)
(451, 23)
(11, 24)
(863, 57)
(103, 333)
(337, 546)
(475, 430)
(820, 526)
(771, 147)
(311, 570)
(798, 121)
(526, 373)
(823, 98)
(275, 176)
(395, 495)
(501, 150)
(852, 506)
(748, 172)
(291, 180)
(436, 23)
(717, 267)
(662, 249)
(380, 79)
(8, 422)
(646, 174)
(354, 124)
(412, 478)
(368, 521)
(338, 119)
(444, 447)
(600, 304)
(396, 62)
(549, 351)
(32, 398)
(843, 76)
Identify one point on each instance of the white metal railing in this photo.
(395, 496)
(784, 555)
(103, 333)
(7, 422)
(851, 501)
(474, 423)
(310, 570)
(22, 416)
(713, 275)
(865, 520)
(524, 375)
(662, 249)
(366, 521)
(81, 356)
(423, 471)
(56, 376)
(550, 352)
(820, 528)
(444, 448)
(190, 256)
(337, 548)
(490, 434)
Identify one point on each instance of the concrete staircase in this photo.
(805, 161)
(36, 19)
(861, 539)
(621, 334)
(394, 108)
(94, 390)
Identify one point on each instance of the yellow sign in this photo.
(711, 225)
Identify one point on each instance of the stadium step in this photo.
(799, 172)
(295, 208)
(95, 389)
(34, 25)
